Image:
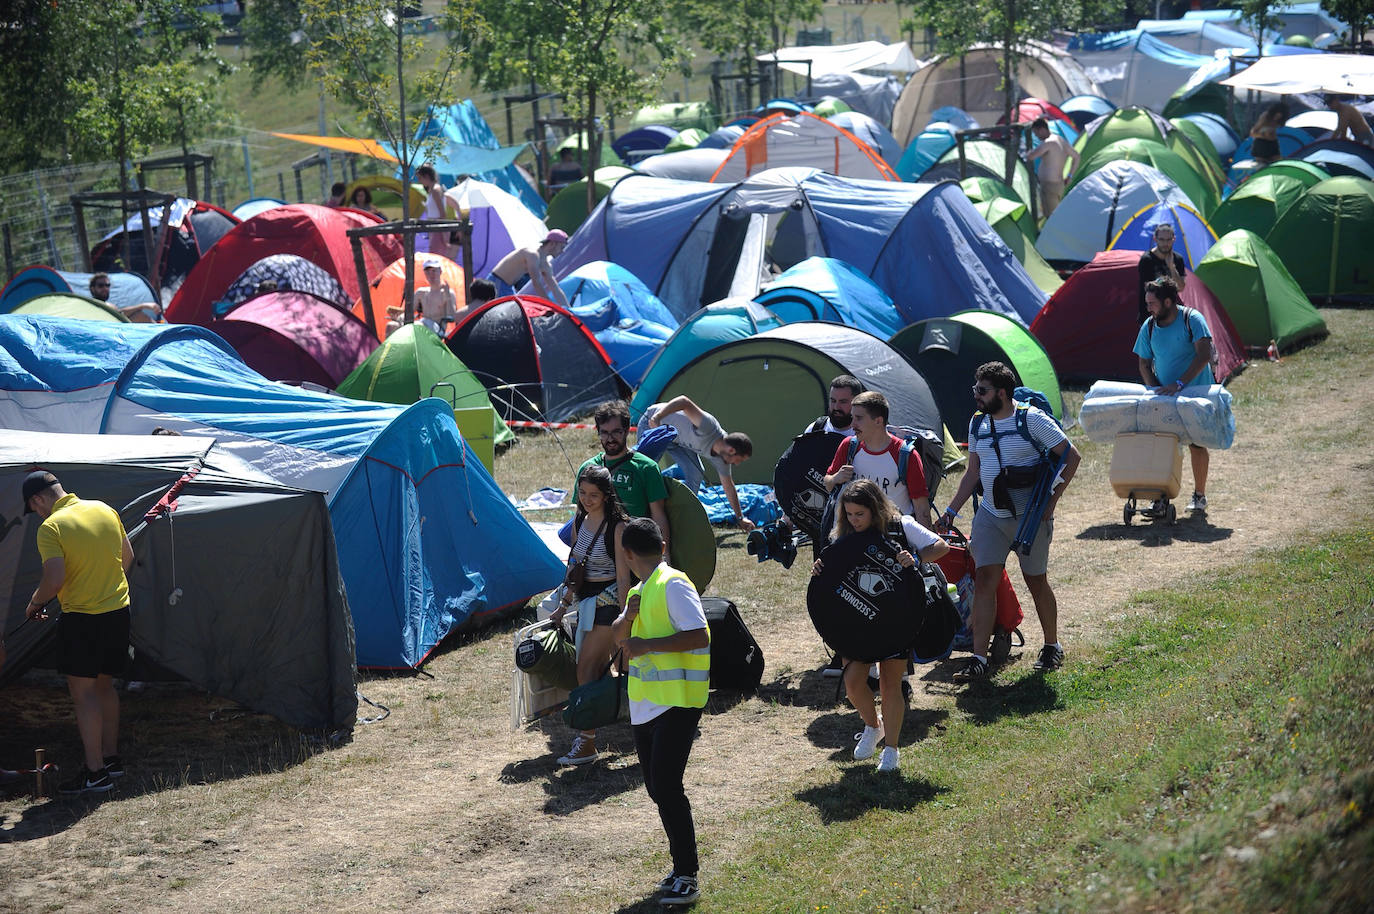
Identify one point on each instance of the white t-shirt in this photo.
(917, 536)
(1016, 451)
(830, 427)
(684, 609)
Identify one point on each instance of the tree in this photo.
(601, 55)
(1358, 14)
(743, 29)
(1259, 16)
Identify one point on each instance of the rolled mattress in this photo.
(1198, 415)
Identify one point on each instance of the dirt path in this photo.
(441, 806)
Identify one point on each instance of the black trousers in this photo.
(663, 745)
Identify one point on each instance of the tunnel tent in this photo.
(383, 468)
(279, 643)
(1095, 209)
(127, 290)
(947, 351)
(790, 368)
(826, 289)
(294, 337)
(538, 360)
(70, 305)
(1259, 294)
(412, 364)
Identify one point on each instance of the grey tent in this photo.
(235, 585)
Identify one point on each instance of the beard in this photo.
(614, 447)
(839, 419)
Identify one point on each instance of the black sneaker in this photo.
(683, 891)
(666, 882)
(114, 766)
(87, 782)
(1051, 658)
(1001, 648)
(974, 670)
(834, 669)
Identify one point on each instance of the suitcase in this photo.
(736, 659)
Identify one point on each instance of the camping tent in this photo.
(295, 337)
(694, 244)
(240, 595)
(985, 159)
(250, 208)
(193, 227)
(1339, 157)
(642, 142)
(500, 222)
(385, 191)
(689, 138)
(426, 540)
(1222, 135)
(539, 361)
(1257, 204)
(947, 350)
(688, 165)
(1005, 218)
(878, 137)
(773, 384)
(677, 114)
(1089, 326)
(985, 190)
(925, 150)
(1094, 211)
(388, 289)
(973, 81)
(1193, 237)
(413, 364)
(568, 208)
(628, 320)
(127, 290)
(802, 139)
(712, 326)
(67, 304)
(462, 124)
(1202, 194)
(1143, 124)
(825, 289)
(1326, 236)
(1084, 109)
(1257, 291)
(285, 273)
(316, 233)
(871, 95)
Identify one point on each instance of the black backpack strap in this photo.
(818, 425)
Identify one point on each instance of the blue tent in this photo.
(1084, 109)
(1224, 138)
(127, 290)
(426, 540)
(1193, 237)
(645, 141)
(722, 137)
(628, 320)
(952, 114)
(695, 243)
(1339, 157)
(925, 150)
(464, 125)
(825, 289)
(1291, 139)
(1095, 209)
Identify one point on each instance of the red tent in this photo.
(295, 337)
(1089, 326)
(316, 233)
(1028, 109)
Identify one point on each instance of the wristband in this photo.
(950, 512)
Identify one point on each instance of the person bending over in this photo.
(700, 435)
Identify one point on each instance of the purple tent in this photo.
(296, 336)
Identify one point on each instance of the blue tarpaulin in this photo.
(464, 127)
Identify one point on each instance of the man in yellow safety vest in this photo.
(663, 632)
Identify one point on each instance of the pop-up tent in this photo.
(1257, 291)
(1326, 236)
(235, 584)
(1193, 237)
(628, 320)
(193, 227)
(1089, 326)
(693, 244)
(316, 233)
(295, 337)
(1096, 209)
(283, 273)
(414, 364)
(539, 361)
(68, 304)
(790, 369)
(805, 140)
(947, 350)
(826, 289)
(426, 540)
(1257, 204)
(127, 290)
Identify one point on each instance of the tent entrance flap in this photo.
(732, 229)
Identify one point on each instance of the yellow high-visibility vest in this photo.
(677, 679)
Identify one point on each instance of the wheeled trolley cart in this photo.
(1147, 466)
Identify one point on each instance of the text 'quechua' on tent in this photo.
(235, 584)
(426, 540)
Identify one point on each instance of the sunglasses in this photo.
(979, 389)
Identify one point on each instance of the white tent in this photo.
(821, 60)
(803, 140)
(1350, 74)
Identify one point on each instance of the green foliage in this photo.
(1358, 14)
(1260, 16)
(274, 35)
(742, 29)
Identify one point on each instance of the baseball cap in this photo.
(557, 235)
(433, 263)
(34, 483)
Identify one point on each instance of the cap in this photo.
(34, 483)
(556, 236)
(433, 263)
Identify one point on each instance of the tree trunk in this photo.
(593, 145)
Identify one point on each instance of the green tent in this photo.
(407, 367)
(1159, 156)
(1257, 204)
(1199, 138)
(830, 106)
(1257, 291)
(578, 144)
(985, 158)
(1208, 99)
(1326, 239)
(1142, 124)
(66, 304)
(983, 190)
(568, 208)
(682, 115)
(1004, 217)
(1306, 172)
(686, 139)
(947, 350)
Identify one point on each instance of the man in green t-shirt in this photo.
(637, 478)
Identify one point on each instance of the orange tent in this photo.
(388, 285)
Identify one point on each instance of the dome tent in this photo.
(947, 350)
(295, 337)
(69, 305)
(924, 151)
(1257, 291)
(802, 140)
(628, 320)
(1084, 109)
(790, 368)
(1094, 211)
(193, 228)
(1193, 237)
(388, 288)
(1005, 218)
(127, 290)
(983, 190)
(1202, 195)
(1257, 204)
(407, 368)
(1325, 238)
(538, 360)
(1089, 326)
(568, 208)
(288, 273)
(1339, 157)
(825, 289)
(982, 158)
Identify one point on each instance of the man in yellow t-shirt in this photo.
(85, 554)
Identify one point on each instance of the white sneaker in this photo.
(868, 742)
(891, 760)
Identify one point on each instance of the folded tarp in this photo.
(1198, 415)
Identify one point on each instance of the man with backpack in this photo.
(872, 452)
(1007, 444)
(838, 418)
(1175, 351)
